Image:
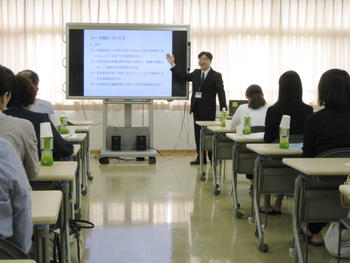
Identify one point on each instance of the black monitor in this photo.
(126, 61)
(234, 104)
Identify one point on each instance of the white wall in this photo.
(169, 129)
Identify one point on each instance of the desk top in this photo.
(81, 123)
(77, 137)
(45, 206)
(244, 138)
(319, 166)
(345, 189)
(77, 148)
(81, 128)
(17, 261)
(271, 149)
(208, 123)
(59, 171)
(220, 129)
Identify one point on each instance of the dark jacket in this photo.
(211, 86)
(61, 148)
(325, 130)
(273, 118)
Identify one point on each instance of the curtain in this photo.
(252, 41)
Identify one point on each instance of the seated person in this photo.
(20, 133)
(15, 205)
(290, 103)
(40, 105)
(328, 128)
(22, 99)
(256, 109)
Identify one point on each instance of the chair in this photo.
(9, 250)
(314, 195)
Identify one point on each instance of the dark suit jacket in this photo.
(212, 85)
(61, 148)
(325, 130)
(273, 118)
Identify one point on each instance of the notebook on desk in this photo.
(234, 104)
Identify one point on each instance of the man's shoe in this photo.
(195, 162)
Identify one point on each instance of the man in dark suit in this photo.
(206, 83)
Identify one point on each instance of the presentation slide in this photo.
(127, 63)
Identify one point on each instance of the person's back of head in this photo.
(256, 97)
(334, 89)
(23, 93)
(6, 80)
(290, 89)
(29, 74)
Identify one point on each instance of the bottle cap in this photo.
(45, 130)
(285, 122)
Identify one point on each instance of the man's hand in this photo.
(170, 59)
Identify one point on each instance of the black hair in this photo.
(7, 79)
(29, 74)
(290, 88)
(207, 54)
(257, 97)
(22, 94)
(334, 89)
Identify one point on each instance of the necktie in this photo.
(202, 77)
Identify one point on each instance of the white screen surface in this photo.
(127, 63)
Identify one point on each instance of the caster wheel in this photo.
(239, 215)
(84, 192)
(256, 233)
(263, 248)
(203, 178)
(104, 160)
(217, 186)
(203, 174)
(217, 192)
(90, 177)
(152, 160)
(238, 205)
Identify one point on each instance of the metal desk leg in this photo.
(88, 171)
(298, 203)
(214, 162)
(78, 185)
(65, 251)
(235, 153)
(257, 174)
(42, 243)
(84, 172)
(201, 151)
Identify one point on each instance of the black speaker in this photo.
(141, 143)
(116, 143)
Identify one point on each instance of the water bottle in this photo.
(46, 152)
(63, 128)
(284, 132)
(246, 127)
(223, 117)
(46, 144)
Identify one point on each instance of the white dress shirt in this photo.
(257, 116)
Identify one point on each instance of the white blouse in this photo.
(257, 116)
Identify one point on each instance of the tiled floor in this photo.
(164, 213)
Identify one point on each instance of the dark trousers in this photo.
(197, 129)
(316, 228)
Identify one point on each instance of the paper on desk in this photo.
(256, 135)
(65, 135)
(296, 146)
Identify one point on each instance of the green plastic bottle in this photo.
(284, 132)
(223, 117)
(46, 153)
(284, 138)
(63, 128)
(246, 127)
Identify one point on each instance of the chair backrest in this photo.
(257, 129)
(330, 181)
(234, 104)
(293, 138)
(9, 250)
